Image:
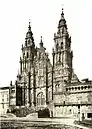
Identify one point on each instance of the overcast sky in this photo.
(44, 15)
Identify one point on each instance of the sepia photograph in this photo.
(45, 64)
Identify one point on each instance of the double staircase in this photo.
(23, 111)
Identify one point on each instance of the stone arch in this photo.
(40, 99)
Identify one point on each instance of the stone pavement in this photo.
(44, 121)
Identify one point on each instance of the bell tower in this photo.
(26, 64)
(28, 52)
(62, 51)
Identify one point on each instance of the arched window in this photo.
(40, 99)
(57, 87)
(61, 45)
(23, 55)
(27, 54)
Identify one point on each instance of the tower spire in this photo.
(62, 14)
(29, 24)
(62, 21)
(29, 21)
(41, 39)
(29, 36)
(63, 55)
(41, 42)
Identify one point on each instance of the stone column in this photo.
(29, 88)
(53, 55)
(47, 80)
(34, 86)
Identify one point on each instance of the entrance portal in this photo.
(44, 113)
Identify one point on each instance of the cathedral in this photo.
(41, 84)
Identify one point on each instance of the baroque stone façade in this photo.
(41, 84)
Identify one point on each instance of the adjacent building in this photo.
(4, 100)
